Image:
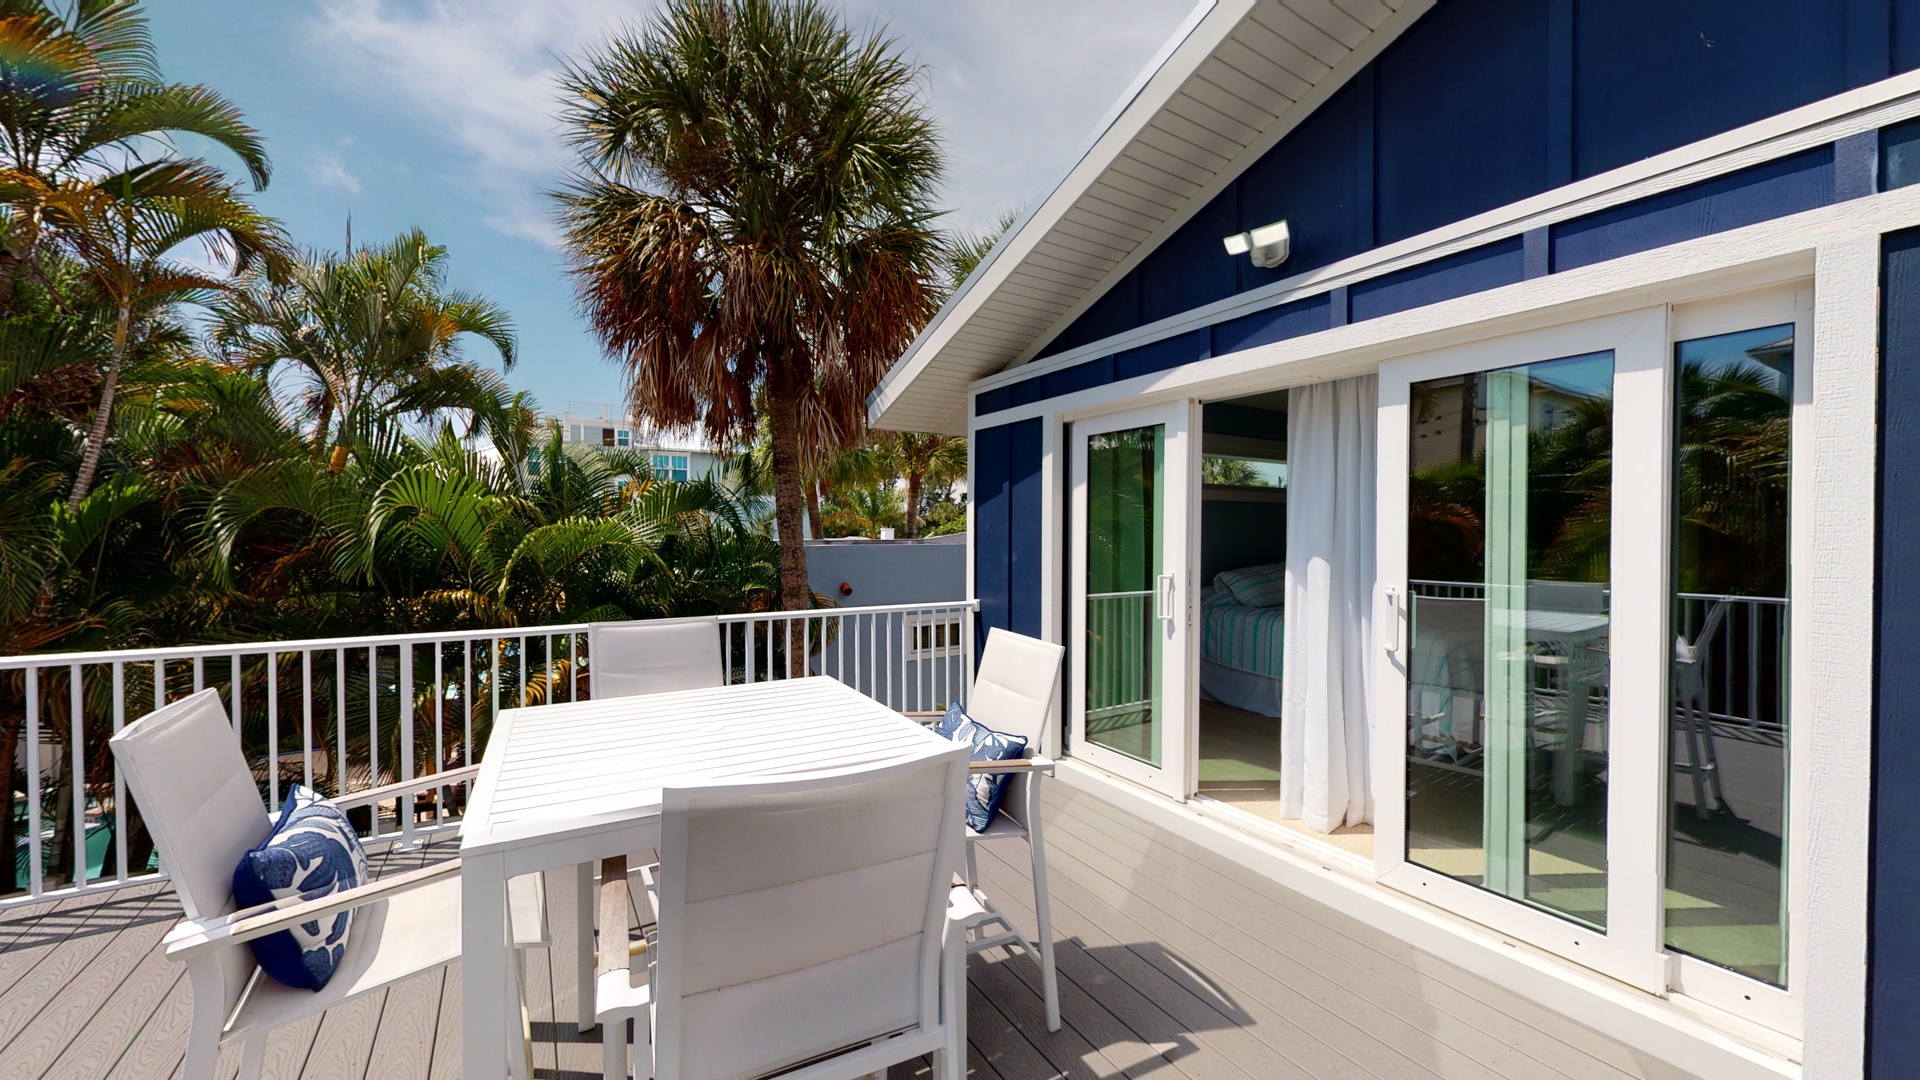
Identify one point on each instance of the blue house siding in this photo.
(1485, 102)
(1007, 500)
(1893, 933)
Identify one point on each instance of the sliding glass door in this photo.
(1130, 707)
(1583, 735)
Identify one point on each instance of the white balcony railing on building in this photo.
(329, 714)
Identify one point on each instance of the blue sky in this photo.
(439, 114)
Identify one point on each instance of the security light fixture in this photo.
(1268, 244)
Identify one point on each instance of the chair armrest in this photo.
(445, 778)
(192, 938)
(924, 719)
(1013, 765)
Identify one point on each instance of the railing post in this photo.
(119, 785)
(36, 878)
(76, 761)
(404, 805)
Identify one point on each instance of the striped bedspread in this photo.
(1238, 636)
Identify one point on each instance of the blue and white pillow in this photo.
(1256, 586)
(985, 791)
(312, 849)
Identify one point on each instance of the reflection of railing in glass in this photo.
(1119, 658)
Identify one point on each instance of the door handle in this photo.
(1388, 630)
(1163, 598)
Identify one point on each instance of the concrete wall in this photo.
(889, 571)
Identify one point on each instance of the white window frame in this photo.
(932, 627)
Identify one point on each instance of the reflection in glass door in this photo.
(1509, 534)
(1125, 554)
(1131, 688)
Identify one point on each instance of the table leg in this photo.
(485, 953)
(584, 902)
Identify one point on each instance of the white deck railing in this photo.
(328, 714)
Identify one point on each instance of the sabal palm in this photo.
(80, 93)
(122, 228)
(921, 460)
(753, 211)
(377, 338)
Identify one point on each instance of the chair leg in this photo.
(950, 1061)
(520, 1048)
(583, 915)
(253, 1054)
(203, 1034)
(1043, 917)
(613, 1050)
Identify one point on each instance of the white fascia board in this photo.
(1209, 23)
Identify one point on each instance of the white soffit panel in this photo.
(1233, 79)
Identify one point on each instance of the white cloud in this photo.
(1016, 85)
(328, 170)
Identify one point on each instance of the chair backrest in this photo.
(802, 917)
(187, 775)
(1017, 689)
(654, 657)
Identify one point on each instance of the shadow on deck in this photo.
(1173, 962)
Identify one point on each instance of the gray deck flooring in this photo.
(1173, 962)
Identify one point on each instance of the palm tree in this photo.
(921, 460)
(80, 94)
(376, 338)
(753, 210)
(121, 228)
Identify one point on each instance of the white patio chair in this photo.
(807, 927)
(1017, 691)
(200, 802)
(654, 656)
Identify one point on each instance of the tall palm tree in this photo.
(80, 94)
(376, 338)
(921, 460)
(122, 228)
(753, 209)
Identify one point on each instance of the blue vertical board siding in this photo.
(1776, 189)
(1893, 1002)
(1462, 115)
(1161, 355)
(992, 518)
(1481, 103)
(1655, 74)
(1297, 319)
(1024, 542)
(1482, 268)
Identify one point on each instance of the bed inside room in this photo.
(1243, 537)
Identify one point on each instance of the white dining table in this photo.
(563, 786)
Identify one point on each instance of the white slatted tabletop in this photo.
(566, 785)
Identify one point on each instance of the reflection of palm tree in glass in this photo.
(1121, 557)
(1732, 480)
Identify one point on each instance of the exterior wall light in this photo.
(1268, 244)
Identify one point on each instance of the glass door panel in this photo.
(1130, 604)
(1125, 545)
(1509, 529)
(1725, 896)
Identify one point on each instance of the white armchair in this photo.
(806, 924)
(653, 656)
(198, 798)
(1017, 691)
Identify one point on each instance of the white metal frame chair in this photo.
(1692, 710)
(1017, 691)
(806, 927)
(654, 656)
(200, 801)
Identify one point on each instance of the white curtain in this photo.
(1327, 719)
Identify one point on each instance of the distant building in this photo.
(677, 454)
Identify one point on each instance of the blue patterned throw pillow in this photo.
(985, 791)
(312, 849)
